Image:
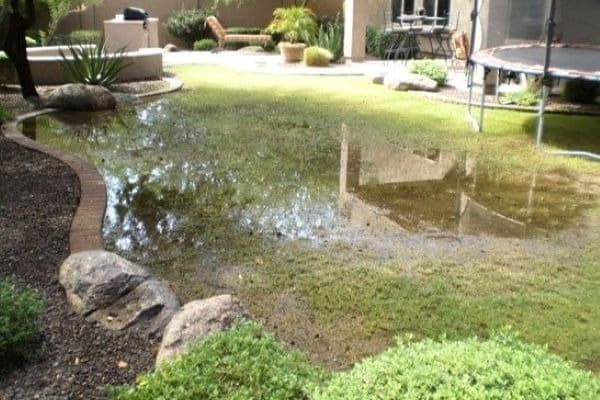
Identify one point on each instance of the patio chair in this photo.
(223, 37)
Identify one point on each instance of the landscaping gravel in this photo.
(38, 196)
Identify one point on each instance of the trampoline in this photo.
(503, 38)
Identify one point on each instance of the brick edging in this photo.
(86, 227)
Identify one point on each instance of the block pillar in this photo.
(355, 29)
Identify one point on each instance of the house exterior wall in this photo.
(251, 13)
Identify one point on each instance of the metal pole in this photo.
(469, 63)
(546, 77)
(482, 106)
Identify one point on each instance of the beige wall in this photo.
(252, 13)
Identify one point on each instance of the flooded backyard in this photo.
(297, 223)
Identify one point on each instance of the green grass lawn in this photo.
(359, 301)
(261, 137)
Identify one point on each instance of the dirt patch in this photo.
(38, 196)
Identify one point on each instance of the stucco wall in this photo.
(252, 13)
(578, 21)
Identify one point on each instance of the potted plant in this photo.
(295, 24)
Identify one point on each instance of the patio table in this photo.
(409, 47)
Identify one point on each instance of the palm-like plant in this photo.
(330, 37)
(90, 64)
(294, 23)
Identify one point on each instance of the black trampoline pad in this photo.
(566, 61)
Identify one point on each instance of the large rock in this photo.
(197, 320)
(115, 292)
(402, 80)
(80, 97)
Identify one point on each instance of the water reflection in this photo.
(387, 189)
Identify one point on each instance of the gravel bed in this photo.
(38, 196)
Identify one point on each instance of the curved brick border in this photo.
(86, 226)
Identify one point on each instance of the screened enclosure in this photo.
(551, 40)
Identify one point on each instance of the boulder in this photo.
(378, 79)
(115, 292)
(197, 320)
(80, 97)
(402, 80)
(170, 48)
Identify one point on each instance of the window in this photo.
(403, 7)
(437, 8)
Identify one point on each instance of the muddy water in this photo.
(216, 208)
(173, 186)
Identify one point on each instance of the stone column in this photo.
(355, 29)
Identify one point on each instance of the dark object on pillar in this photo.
(14, 45)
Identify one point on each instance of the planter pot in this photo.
(292, 52)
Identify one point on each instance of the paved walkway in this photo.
(272, 64)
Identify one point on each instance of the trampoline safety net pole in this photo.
(470, 65)
(546, 77)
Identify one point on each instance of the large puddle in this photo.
(176, 185)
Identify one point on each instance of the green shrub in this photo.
(205, 45)
(189, 24)
(19, 315)
(294, 24)
(86, 36)
(240, 30)
(378, 41)
(317, 57)
(89, 64)
(5, 114)
(432, 69)
(242, 363)
(31, 42)
(525, 98)
(7, 71)
(581, 91)
(331, 37)
(499, 368)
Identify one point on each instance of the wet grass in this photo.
(233, 142)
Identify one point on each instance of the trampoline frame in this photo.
(547, 82)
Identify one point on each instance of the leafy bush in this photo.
(378, 41)
(7, 71)
(19, 314)
(205, 45)
(581, 91)
(317, 57)
(499, 368)
(30, 42)
(432, 69)
(242, 363)
(331, 37)
(240, 30)
(5, 114)
(293, 23)
(189, 24)
(86, 36)
(90, 64)
(525, 98)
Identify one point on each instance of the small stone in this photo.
(170, 48)
(122, 364)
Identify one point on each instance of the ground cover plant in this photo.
(19, 330)
(246, 363)
(248, 162)
(501, 367)
(242, 363)
(205, 45)
(317, 57)
(432, 69)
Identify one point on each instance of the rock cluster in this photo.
(119, 294)
(404, 80)
(80, 97)
(116, 293)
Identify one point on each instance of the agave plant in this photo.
(90, 63)
(331, 37)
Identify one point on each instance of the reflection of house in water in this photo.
(389, 188)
